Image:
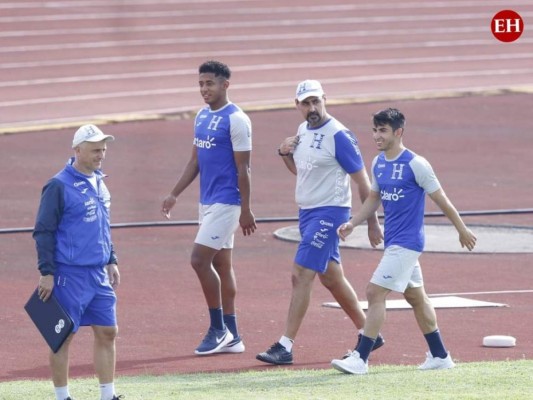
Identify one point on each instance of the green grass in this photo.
(487, 380)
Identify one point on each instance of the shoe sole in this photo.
(236, 348)
(344, 370)
(270, 361)
(447, 366)
(223, 343)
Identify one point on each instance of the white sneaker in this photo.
(353, 364)
(437, 363)
(235, 346)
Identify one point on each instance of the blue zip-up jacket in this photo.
(72, 226)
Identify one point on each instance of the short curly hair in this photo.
(215, 67)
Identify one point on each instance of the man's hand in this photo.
(247, 222)
(289, 144)
(113, 274)
(375, 235)
(345, 230)
(467, 239)
(46, 286)
(167, 205)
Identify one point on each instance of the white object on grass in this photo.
(499, 341)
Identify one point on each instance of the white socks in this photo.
(286, 342)
(62, 393)
(107, 391)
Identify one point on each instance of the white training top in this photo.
(324, 157)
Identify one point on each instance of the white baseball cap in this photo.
(308, 88)
(89, 133)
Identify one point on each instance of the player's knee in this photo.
(329, 282)
(375, 293)
(105, 333)
(198, 263)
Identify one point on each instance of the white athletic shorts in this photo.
(218, 223)
(398, 269)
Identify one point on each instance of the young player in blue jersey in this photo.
(221, 155)
(324, 156)
(76, 258)
(400, 181)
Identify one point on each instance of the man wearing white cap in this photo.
(76, 259)
(324, 156)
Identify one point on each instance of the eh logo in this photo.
(507, 26)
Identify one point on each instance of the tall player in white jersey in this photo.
(324, 156)
(221, 155)
(400, 181)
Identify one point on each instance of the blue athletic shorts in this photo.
(320, 242)
(87, 295)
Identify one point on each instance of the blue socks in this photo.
(231, 322)
(436, 347)
(215, 315)
(365, 347)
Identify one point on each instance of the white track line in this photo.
(380, 6)
(268, 67)
(475, 293)
(274, 23)
(261, 52)
(254, 86)
(286, 36)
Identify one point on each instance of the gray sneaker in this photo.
(277, 354)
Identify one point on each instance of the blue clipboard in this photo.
(54, 324)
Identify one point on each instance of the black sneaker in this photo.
(379, 342)
(118, 397)
(277, 354)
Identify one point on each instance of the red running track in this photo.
(135, 63)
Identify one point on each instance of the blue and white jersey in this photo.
(402, 184)
(217, 134)
(324, 157)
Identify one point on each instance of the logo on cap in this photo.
(308, 88)
(302, 88)
(90, 131)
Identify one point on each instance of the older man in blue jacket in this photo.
(76, 257)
